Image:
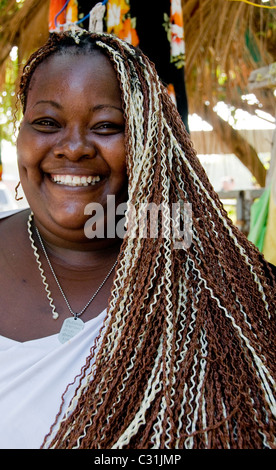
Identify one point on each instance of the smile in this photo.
(74, 180)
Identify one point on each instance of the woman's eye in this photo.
(108, 128)
(47, 124)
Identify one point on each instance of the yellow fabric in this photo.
(269, 248)
(72, 12)
(119, 21)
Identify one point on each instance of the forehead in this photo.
(70, 73)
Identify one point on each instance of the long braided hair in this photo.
(185, 358)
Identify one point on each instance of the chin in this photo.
(75, 221)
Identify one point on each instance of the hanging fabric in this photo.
(269, 248)
(62, 14)
(120, 22)
(158, 31)
(258, 219)
(72, 12)
(57, 14)
(161, 37)
(176, 36)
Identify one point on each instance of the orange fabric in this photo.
(177, 34)
(72, 12)
(68, 15)
(119, 21)
(55, 7)
(128, 33)
(171, 92)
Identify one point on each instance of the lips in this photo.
(75, 180)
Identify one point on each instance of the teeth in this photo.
(73, 180)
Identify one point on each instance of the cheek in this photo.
(21, 146)
(118, 157)
(114, 154)
(30, 152)
(26, 150)
(120, 175)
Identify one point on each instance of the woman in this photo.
(184, 355)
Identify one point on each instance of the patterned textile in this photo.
(119, 21)
(161, 38)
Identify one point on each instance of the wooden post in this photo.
(237, 145)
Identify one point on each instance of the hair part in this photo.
(186, 355)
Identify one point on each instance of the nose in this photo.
(74, 145)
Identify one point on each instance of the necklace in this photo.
(71, 326)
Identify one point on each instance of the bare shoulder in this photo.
(15, 272)
(13, 240)
(13, 225)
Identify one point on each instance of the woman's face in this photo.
(71, 142)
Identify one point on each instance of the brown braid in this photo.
(186, 357)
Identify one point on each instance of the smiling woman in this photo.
(78, 133)
(152, 342)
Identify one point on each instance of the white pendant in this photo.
(70, 327)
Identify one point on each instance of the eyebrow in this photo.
(53, 103)
(93, 108)
(103, 106)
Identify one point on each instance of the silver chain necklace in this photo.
(71, 326)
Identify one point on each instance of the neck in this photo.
(79, 253)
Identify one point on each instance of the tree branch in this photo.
(236, 144)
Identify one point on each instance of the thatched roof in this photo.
(226, 40)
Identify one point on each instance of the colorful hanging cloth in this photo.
(258, 219)
(119, 21)
(269, 248)
(72, 12)
(61, 13)
(263, 223)
(57, 14)
(158, 31)
(161, 37)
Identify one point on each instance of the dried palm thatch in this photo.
(24, 25)
(225, 41)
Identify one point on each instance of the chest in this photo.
(26, 308)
